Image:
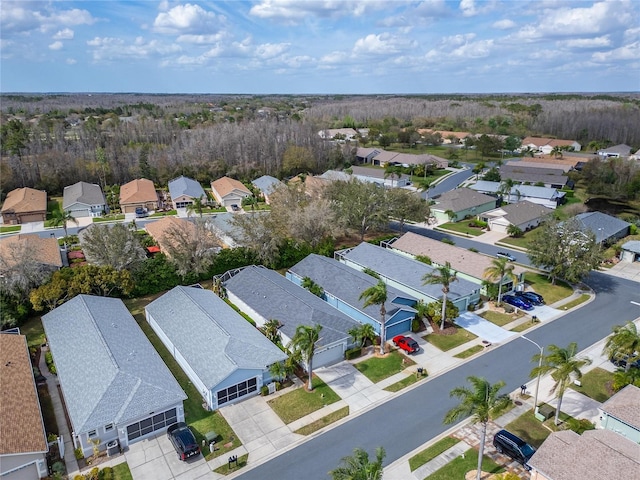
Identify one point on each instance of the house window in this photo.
(93, 433)
(108, 427)
(151, 424)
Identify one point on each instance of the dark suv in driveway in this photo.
(514, 447)
(183, 440)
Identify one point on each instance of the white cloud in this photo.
(14, 18)
(334, 58)
(470, 9)
(504, 24)
(56, 45)
(456, 40)
(66, 34)
(480, 49)
(270, 50)
(71, 61)
(382, 44)
(111, 48)
(631, 34)
(296, 11)
(595, 42)
(201, 39)
(627, 52)
(187, 19)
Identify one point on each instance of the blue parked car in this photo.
(531, 297)
(519, 302)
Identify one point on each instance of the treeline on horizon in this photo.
(50, 141)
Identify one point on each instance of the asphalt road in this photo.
(411, 419)
(448, 183)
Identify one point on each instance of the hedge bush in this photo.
(353, 353)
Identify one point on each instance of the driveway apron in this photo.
(482, 328)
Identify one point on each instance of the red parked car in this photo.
(407, 344)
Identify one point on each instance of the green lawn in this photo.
(542, 285)
(596, 384)
(461, 227)
(109, 218)
(323, 422)
(9, 229)
(53, 204)
(459, 466)
(225, 470)
(122, 472)
(33, 330)
(379, 368)
(447, 342)
(200, 420)
(428, 454)
(46, 406)
(164, 214)
(405, 382)
(470, 351)
(523, 241)
(499, 319)
(529, 428)
(524, 326)
(574, 303)
(299, 403)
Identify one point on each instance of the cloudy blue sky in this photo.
(324, 46)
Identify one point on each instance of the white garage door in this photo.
(236, 391)
(329, 356)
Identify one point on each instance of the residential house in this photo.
(43, 252)
(405, 274)
(24, 205)
(228, 191)
(546, 145)
(524, 215)
(448, 137)
(168, 231)
(184, 191)
(630, 251)
(635, 156)
(265, 295)
(541, 163)
(343, 286)
(84, 199)
(115, 385)
(596, 455)
(23, 439)
(461, 203)
(621, 413)
(225, 357)
(139, 193)
(606, 228)
(468, 265)
(221, 224)
(547, 177)
(267, 185)
(382, 158)
(617, 151)
(338, 134)
(336, 176)
(547, 197)
(379, 176)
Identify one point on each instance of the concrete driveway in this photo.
(156, 459)
(482, 328)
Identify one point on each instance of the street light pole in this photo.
(535, 399)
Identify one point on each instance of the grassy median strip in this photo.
(323, 422)
(405, 382)
(225, 470)
(574, 303)
(299, 403)
(459, 466)
(425, 456)
(469, 351)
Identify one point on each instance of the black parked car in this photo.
(183, 440)
(531, 297)
(621, 360)
(513, 446)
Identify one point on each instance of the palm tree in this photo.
(626, 341)
(271, 330)
(564, 367)
(363, 332)
(556, 151)
(303, 343)
(622, 378)
(196, 206)
(505, 188)
(482, 402)
(499, 269)
(377, 295)
(59, 218)
(444, 276)
(312, 287)
(359, 467)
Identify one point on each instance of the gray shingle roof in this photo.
(523, 212)
(632, 246)
(212, 337)
(274, 297)
(346, 283)
(405, 270)
(522, 173)
(625, 406)
(82, 192)
(108, 370)
(267, 184)
(185, 186)
(461, 199)
(602, 225)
